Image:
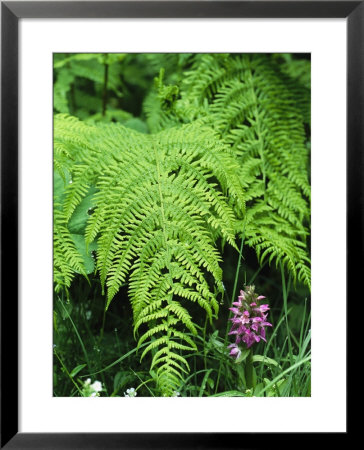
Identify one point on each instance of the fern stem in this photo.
(260, 141)
(161, 196)
(73, 98)
(104, 93)
(168, 260)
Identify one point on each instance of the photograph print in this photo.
(181, 214)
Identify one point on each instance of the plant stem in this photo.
(67, 373)
(204, 341)
(103, 323)
(285, 298)
(78, 335)
(249, 378)
(285, 301)
(104, 94)
(234, 293)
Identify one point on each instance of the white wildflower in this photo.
(91, 390)
(130, 393)
(97, 386)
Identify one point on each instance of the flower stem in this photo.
(233, 296)
(249, 375)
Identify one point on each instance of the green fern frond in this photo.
(160, 200)
(228, 155)
(66, 258)
(251, 101)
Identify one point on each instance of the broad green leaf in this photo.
(265, 360)
(229, 394)
(211, 383)
(244, 353)
(79, 240)
(276, 389)
(77, 223)
(59, 185)
(241, 373)
(281, 384)
(77, 369)
(204, 381)
(120, 379)
(258, 387)
(254, 378)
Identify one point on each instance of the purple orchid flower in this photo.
(235, 350)
(249, 321)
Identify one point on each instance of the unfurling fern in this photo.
(160, 201)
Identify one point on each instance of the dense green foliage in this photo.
(164, 165)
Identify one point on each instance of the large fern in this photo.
(160, 201)
(229, 156)
(260, 111)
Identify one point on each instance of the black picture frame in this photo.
(11, 12)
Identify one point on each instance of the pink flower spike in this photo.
(263, 308)
(242, 329)
(249, 338)
(233, 332)
(235, 320)
(262, 334)
(245, 317)
(249, 321)
(257, 319)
